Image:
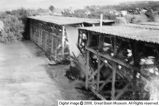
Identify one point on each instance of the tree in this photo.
(67, 12)
(13, 28)
(52, 8)
(150, 15)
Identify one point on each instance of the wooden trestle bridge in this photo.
(51, 33)
(119, 59)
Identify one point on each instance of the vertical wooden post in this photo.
(114, 71)
(136, 60)
(78, 41)
(52, 44)
(31, 38)
(63, 40)
(82, 25)
(100, 46)
(33, 33)
(41, 37)
(101, 20)
(113, 82)
(46, 36)
(98, 73)
(87, 69)
(157, 55)
(87, 62)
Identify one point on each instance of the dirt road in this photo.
(23, 77)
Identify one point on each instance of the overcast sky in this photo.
(14, 4)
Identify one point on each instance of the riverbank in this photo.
(26, 78)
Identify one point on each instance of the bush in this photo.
(13, 28)
(15, 23)
(136, 18)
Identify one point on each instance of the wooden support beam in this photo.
(46, 39)
(66, 53)
(136, 59)
(52, 45)
(119, 73)
(101, 43)
(114, 69)
(122, 91)
(102, 64)
(41, 34)
(109, 91)
(78, 40)
(92, 75)
(92, 83)
(98, 73)
(95, 72)
(105, 82)
(108, 57)
(87, 69)
(40, 37)
(97, 94)
(100, 46)
(31, 31)
(87, 62)
(113, 82)
(63, 40)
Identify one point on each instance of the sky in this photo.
(34, 4)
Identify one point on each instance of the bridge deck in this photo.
(136, 32)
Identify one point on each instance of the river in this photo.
(23, 77)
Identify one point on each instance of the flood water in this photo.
(23, 78)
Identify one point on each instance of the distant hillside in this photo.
(140, 4)
(113, 11)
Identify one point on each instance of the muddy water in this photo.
(23, 79)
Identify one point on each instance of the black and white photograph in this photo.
(79, 50)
